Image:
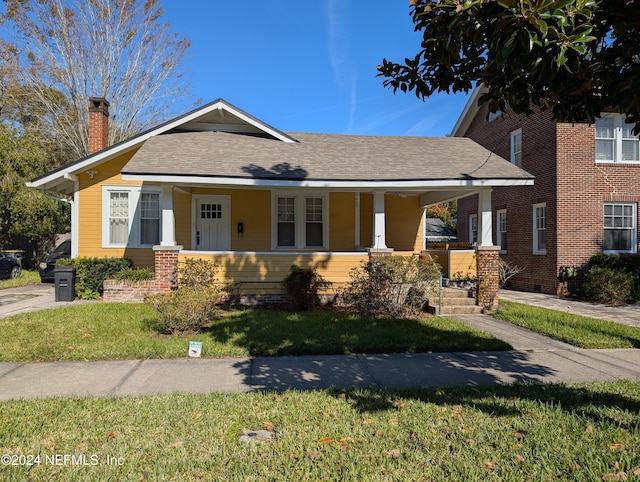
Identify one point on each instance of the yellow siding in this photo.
(366, 220)
(342, 229)
(404, 223)
(454, 263)
(266, 267)
(182, 208)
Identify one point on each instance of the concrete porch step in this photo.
(457, 301)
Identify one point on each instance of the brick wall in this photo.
(166, 278)
(568, 180)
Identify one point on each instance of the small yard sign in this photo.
(195, 349)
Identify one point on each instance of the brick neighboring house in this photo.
(584, 201)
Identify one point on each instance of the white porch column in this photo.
(379, 228)
(168, 218)
(485, 218)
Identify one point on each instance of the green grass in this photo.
(585, 432)
(27, 277)
(127, 331)
(577, 330)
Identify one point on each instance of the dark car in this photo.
(49, 263)
(10, 265)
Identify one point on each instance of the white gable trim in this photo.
(468, 113)
(55, 178)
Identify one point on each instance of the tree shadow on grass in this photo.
(281, 333)
(599, 404)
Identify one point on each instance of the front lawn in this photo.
(585, 432)
(127, 331)
(577, 330)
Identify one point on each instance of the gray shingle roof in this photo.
(328, 157)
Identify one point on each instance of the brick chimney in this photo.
(98, 124)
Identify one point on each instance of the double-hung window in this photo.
(131, 216)
(300, 221)
(540, 229)
(501, 229)
(620, 229)
(615, 141)
(516, 147)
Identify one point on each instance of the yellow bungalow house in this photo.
(219, 184)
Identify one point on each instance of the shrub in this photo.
(197, 272)
(393, 285)
(302, 286)
(612, 278)
(607, 285)
(135, 274)
(187, 309)
(91, 272)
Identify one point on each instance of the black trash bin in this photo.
(65, 283)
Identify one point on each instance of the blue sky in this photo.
(309, 66)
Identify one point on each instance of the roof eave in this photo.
(393, 185)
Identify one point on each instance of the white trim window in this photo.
(501, 229)
(540, 228)
(516, 147)
(473, 228)
(300, 221)
(615, 141)
(620, 231)
(131, 216)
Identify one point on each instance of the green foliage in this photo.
(185, 310)
(606, 285)
(189, 308)
(573, 57)
(89, 295)
(135, 274)
(91, 272)
(580, 331)
(302, 286)
(197, 272)
(395, 285)
(612, 279)
(25, 211)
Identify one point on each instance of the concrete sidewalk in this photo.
(200, 375)
(535, 358)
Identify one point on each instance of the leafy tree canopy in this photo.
(25, 211)
(575, 57)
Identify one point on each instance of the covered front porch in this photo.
(358, 225)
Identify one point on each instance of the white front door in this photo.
(213, 223)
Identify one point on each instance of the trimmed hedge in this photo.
(91, 272)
